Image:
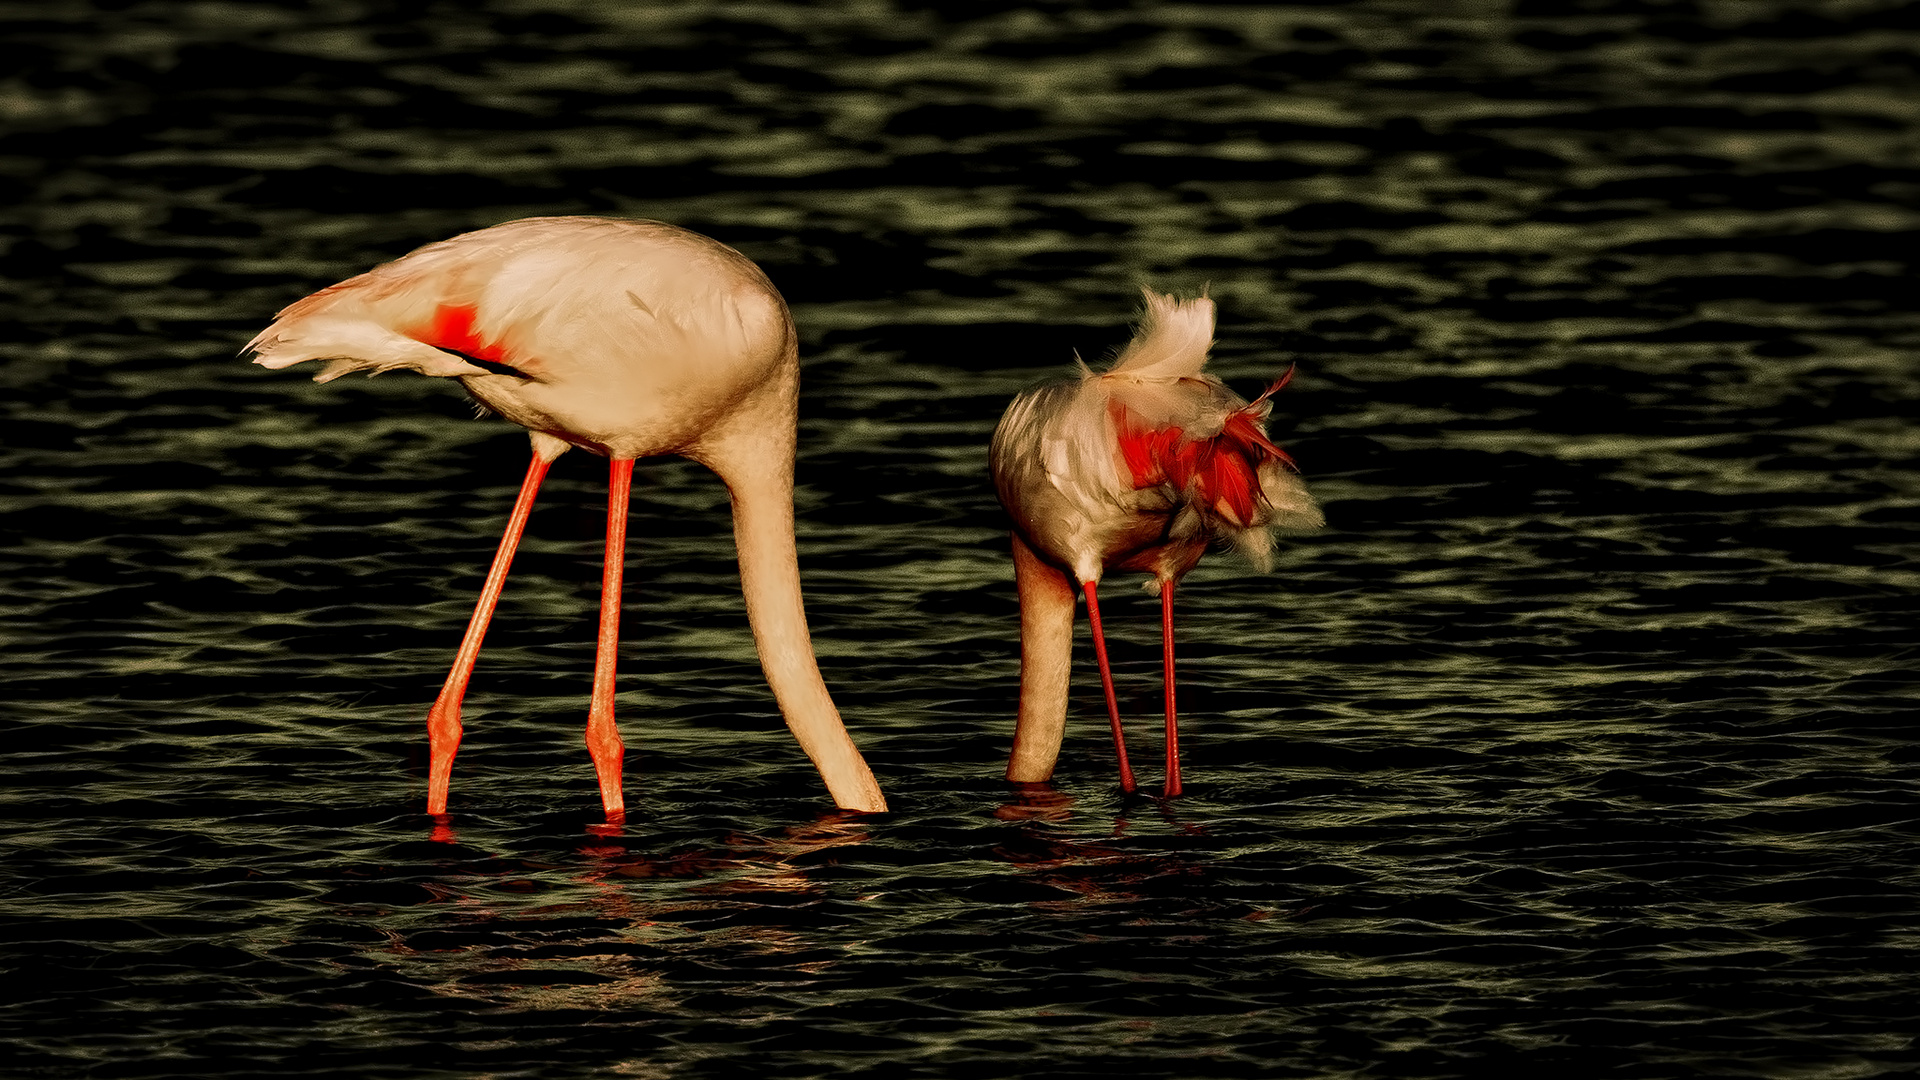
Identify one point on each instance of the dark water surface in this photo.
(1581, 743)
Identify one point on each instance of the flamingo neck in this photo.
(770, 581)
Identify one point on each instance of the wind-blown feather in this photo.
(1171, 341)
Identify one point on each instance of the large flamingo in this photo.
(627, 339)
(1140, 467)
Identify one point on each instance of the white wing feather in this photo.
(351, 343)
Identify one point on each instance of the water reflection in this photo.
(1094, 871)
(600, 933)
(1036, 802)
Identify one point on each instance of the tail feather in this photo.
(351, 344)
(1171, 341)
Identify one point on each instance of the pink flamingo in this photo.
(1140, 467)
(627, 339)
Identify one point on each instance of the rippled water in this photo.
(1580, 744)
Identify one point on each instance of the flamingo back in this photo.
(623, 336)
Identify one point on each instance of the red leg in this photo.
(1106, 683)
(1166, 660)
(443, 720)
(603, 737)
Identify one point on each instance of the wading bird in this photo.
(1139, 467)
(627, 339)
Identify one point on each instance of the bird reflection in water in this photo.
(751, 863)
(1093, 871)
(622, 917)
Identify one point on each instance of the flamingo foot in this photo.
(608, 755)
(443, 742)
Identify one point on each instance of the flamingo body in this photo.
(628, 339)
(1141, 467)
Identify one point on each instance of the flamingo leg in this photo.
(1166, 660)
(603, 736)
(443, 720)
(1106, 682)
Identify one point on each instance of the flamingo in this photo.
(1140, 467)
(627, 339)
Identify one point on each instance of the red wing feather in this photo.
(1244, 429)
(1146, 450)
(1221, 473)
(1230, 485)
(452, 329)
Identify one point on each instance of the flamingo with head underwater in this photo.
(627, 339)
(1140, 467)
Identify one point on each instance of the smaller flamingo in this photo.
(1140, 467)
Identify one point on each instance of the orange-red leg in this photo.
(443, 720)
(1106, 683)
(1166, 661)
(603, 736)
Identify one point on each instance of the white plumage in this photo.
(1139, 467)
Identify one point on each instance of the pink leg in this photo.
(603, 737)
(1106, 683)
(443, 720)
(1166, 660)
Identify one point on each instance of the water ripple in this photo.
(1579, 742)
